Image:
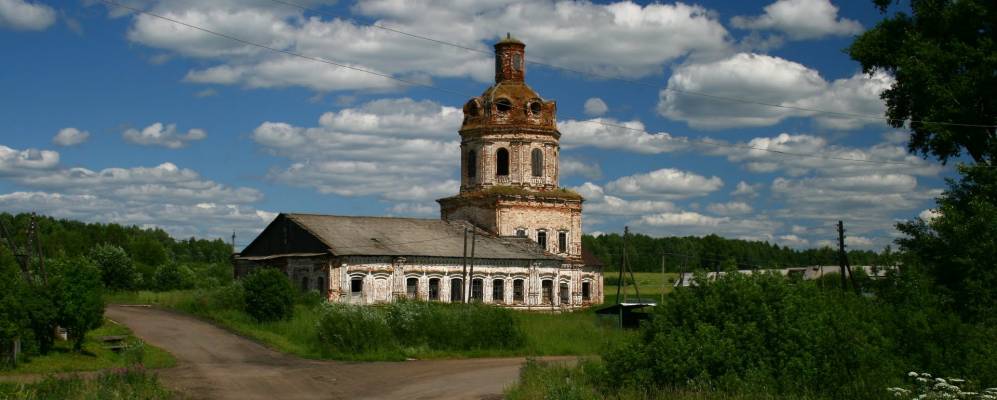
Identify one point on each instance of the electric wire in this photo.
(454, 92)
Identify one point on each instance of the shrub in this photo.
(413, 324)
(78, 290)
(173, 276)
(116, 269)
(269, 295)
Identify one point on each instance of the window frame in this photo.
(542, 233)
(562, 241)
(414, 293)
(498, 288)
(472, 164)
(537, 163)
(519, 296)
(434, 294)
(502, 162)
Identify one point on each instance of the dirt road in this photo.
(213, 363)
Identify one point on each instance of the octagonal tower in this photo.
(509, 162)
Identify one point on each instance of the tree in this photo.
(116, 268)
(77, 287)
(943, 57)
(269, 295)
(173, 276)
(957, 247)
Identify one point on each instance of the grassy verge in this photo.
(128, 383)
(95, 356)
(575, 333)
(542, 381)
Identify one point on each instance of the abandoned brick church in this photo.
(527, 247)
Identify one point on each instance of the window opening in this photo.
(304, 284)
(477, 290)
(542, 239)
(498, 291)
(537, 162)
(547, 291)
(412, 287)
(503, 105)
(502, 162)
(320, 285)
(456, 291)
(520, 232)
(535, 108)
(356, 287)
(434, 289)
(517, 291)
(562, 242)
(472, 164)
(565, 294)
(586, 291)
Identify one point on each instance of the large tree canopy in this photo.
(944, 59)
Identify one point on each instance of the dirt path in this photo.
(213, 363)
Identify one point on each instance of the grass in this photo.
(94, 355)
(651, 285)
(585, 381)
(130, 383)
(573, 333)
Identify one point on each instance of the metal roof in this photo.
(387, 236)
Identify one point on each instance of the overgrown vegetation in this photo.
(396, 331)
(766, 335)
(126, 383)
(268, 296)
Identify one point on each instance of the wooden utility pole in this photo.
(233, 241)
(846, 270)
(663, 282)
(470, 286)
(464, 271)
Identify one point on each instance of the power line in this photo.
(634, 81)
(434, 87)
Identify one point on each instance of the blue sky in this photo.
(110, 115)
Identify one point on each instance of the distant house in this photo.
(527, 253)
(805, 273)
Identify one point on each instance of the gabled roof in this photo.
(385, 236)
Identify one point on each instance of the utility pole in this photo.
(663, 282)
(843, 260)
(464, 272)
(474, 237)
(233, 241)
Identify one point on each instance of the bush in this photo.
(411, 324)
(269, 295)
(116, 269)
(173, 276)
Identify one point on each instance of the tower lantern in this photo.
(510, 64)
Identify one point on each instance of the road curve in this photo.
(213, 363)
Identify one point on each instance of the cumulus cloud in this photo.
(17, 162)
(367, 150)
(415, 209)
(572, 167)
(770, 80)
(793, 241)
(595, 107)
(607, 133)
(929, 215)
(584, 35)
(25, 16)
(70, 137)
(730, 208)
(745, 189)
(161, 135)
(668, 183)
(597, 202)
(801, 19)
(680, 223)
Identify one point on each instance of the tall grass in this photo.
(127, 383)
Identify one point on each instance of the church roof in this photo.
(387, 236)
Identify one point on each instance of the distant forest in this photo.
(147, 250)
(712, 252)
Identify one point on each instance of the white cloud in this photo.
(586, 36)
(415, 209)
(17, 162)
(607, 133)
(730, 208)
(572, 167)
(70, 137)
(167, 136)
(595, 107)
(22, 15)
(794, 241)
(206, 93)
(668, 183)
(858, 242)
(745, 189)
(801, 19)
(367, 150)
(770, 80)
(597, 202)
(680, 223)
(929, 215)
(684, 218)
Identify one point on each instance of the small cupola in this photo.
(510, 63)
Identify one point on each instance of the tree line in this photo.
(712, 252)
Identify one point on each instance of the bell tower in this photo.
(509, 162)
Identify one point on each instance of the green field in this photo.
(650, 284)
(95, 356)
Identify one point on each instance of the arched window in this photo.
(535, 108)
(503, 105)
(502, 162)
(472, 164)
(320, 285)
(537, 161)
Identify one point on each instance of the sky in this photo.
(110, 115)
